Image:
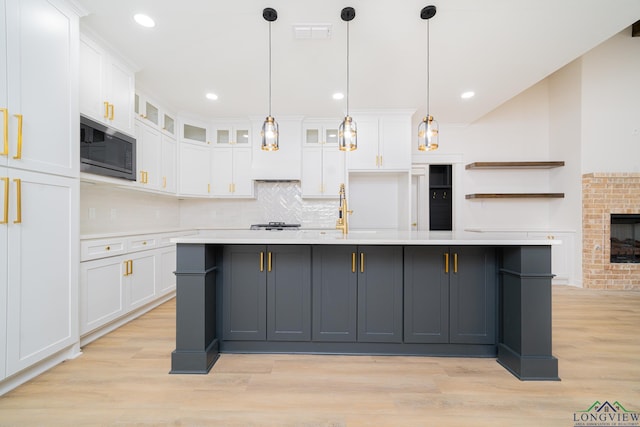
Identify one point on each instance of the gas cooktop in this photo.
(275, 225)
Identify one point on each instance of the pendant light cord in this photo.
(347, 68)
(428, 54)
(269, 69)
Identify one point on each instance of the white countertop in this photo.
(360, 237)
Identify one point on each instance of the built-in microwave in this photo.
(105, 151)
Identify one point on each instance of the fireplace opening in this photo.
(625, 238)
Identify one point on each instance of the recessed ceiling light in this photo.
(144, 20)
(467, 95)
(338, 96)
(211, 96)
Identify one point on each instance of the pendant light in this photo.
(269, 132)
(428, 128)
(347, 132)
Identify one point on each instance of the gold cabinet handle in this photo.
(5, 132)
(111, 111)
(19, 153)
(455, 263)
(164, 182)
(18, 219)
(353, 262)
(269, 262)
(446, 262)
(377, 164)
(5, 218)
(261, 262)
(126, 267)
(130, 266)
(361, 262)
(380, 160)
(108, 248)
(106, 110)
(230, 188)
(208, 188)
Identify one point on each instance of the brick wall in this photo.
(602, 195)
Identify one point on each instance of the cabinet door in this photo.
(335, 292)
(244, 292)
(149, 151)
(4, 229)
(221, 171)
(380, 294)
(43, 263)
(42, 80)
(168, 165)
(194, 170)
(121, 92)
(473, 282)
(167, 279)
(242, 181)
(426, 295)
(92, 80)
(142, 276)
(289, 293)
(101, 292)
(366, 157)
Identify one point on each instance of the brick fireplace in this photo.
(604, 194)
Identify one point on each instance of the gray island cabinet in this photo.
(373, 292)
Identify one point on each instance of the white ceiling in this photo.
(497, 48)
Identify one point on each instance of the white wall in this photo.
(610, 106)
(518, 130)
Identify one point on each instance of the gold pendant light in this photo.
(348, 132)
(269, 132)
(428, 128)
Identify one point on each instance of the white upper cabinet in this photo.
(194, 169)
(323, 164)
(195, 131)
(231, 172)
(106, 87)
(237, 134)
(168, 165)
(147, 109)
(38, 70)
(384, 142)
(149, 152)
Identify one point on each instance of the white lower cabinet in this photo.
(116, 287)
(167, 280)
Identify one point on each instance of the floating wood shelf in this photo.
(514, 165)
(515, 196)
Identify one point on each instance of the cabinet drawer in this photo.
(143, 243)
(94, 249)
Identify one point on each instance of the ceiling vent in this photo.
(312, 31)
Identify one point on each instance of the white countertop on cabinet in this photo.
(359, 237)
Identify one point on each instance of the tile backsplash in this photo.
(108, 209)
(274, 201)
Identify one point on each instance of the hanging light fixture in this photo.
(269, 131)
(428, 128)
(347, 132)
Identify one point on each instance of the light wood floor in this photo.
(122, 379)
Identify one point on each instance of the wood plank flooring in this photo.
(122, 379)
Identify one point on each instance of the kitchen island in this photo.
(463, 294)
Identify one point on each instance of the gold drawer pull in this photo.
(446, 262)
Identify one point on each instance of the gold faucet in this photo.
(342, 223)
